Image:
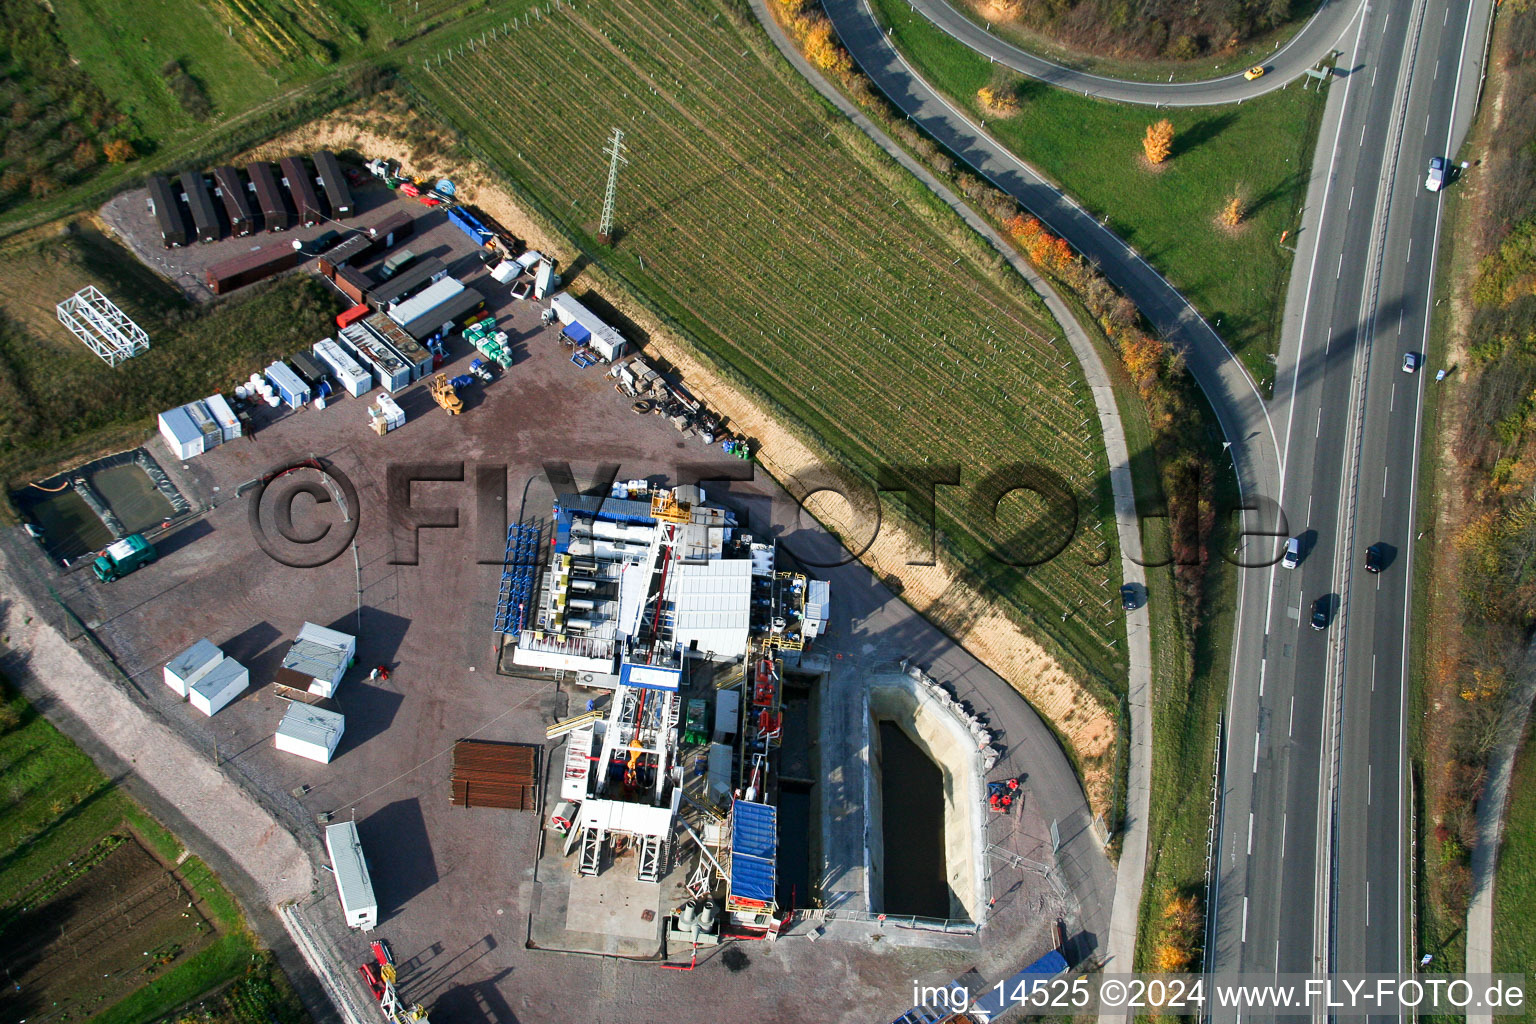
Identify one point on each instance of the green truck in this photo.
(123, 557)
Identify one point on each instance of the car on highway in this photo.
(1257, 71)
(1292, 557)
(1438, 169)
(1375, 558)
(1411, 361)
(1322, 612)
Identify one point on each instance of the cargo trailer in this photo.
(427, 299)
(202, 419)
(354, 380)
(408, 282)
(289, 387)
(387, 366)
(358, 904)
(195, 191)
(191, 665)
(274, 208)
(328, 168)
(250, 267)
(396, 263)
(310, 732)
(228, 680)
(301, 186)
(443, 319)
(237, 204)
(397, 227)
(228, 422)
(353, 283)
(312, 373)
(174, 229)
(181, 434)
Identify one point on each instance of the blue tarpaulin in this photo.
(577, 333)
(754, 847)
(1016, 989)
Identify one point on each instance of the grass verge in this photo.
(1260, 150)
(1514, 893)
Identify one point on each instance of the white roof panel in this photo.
(221, 676)
(309, 724)
(352, 879)
(199, 655)
(712, 604)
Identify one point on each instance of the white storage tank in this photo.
(191, 665)
(228, 680)
(310, 732)
(353, 883)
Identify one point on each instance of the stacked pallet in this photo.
(494, 774)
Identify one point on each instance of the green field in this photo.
(58, 809)
(1262, 149)
(59, 402)
(802, 261)
(1514, 892)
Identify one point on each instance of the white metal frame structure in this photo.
(105, 329)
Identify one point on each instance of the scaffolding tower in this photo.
(105, 329)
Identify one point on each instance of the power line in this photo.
(615, 151)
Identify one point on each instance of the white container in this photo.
(353, 883)
(224, 416)
(228, 680)
(310, 732)
(181, 435)
(191, 665)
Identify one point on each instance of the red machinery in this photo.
(380, 978)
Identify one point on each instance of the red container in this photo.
(351, 316)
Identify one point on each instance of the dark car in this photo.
(1322, 612)
(1128, 598)
(1375, 558)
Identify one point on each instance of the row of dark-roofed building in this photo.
(264, 197)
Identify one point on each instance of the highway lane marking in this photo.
(1373, 78)
(1319, 431)
(1369, 770)
(1362, 134)
(1373, 673)
(1309, 508)
(1437, 59)
(1256, 751)
(1245, 918)
(1409, 257)
(1250, 833)
(1351, 205)
(1291, 728)
(1367, 902)
(1383, 481)
(1341, 267)
(1392, 398)
(1283, 818)
(1426, 125)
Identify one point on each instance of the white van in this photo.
(1292, 554)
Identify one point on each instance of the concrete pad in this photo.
(615, 905)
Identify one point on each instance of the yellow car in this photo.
(1257, 71)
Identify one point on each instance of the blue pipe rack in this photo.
(518, 571)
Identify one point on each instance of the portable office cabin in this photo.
(317, 660)
(354, 380)
(228, 680)
(219, 409)
(237, 204)
(442, 319)
(395, 228)
(195, 190)
(250, 267)
(301, 186)
(174, 229)
(350, 867)
(335, 184)
(294, 392)
(310, 732)
(181, 434)
(428, 299)
(353, 283)
(191, 665)
(274, 208)
(604, 340)
(311, 372)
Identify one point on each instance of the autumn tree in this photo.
(85, 156)
(1232, 213)
(997, 100)
(1158, 143)
(120, 151)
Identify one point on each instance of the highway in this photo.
(1312, 869)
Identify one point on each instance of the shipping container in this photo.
(427, 299)
(354, 380)
(445, 318)
(250, 267)
(275, 215)
(288, 385)
(388, 368)
(352, 315)
(313, 374)
(301, 186)
(395, 228)
(310, 732)
(353, 249)
(181, 434)
(604, 340)
(421, 274)
(396, 263)
(328, 168)
(191, 665)
(202, 419)
(353, 283)
(417, 359)
(237, 204)
(358, 904)
(204, 218)
(175, 231)
(228, 422)
(228, 680)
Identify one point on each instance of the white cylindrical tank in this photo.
(578, 623)
(274, 401)
(584, 604)
(709, 913)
